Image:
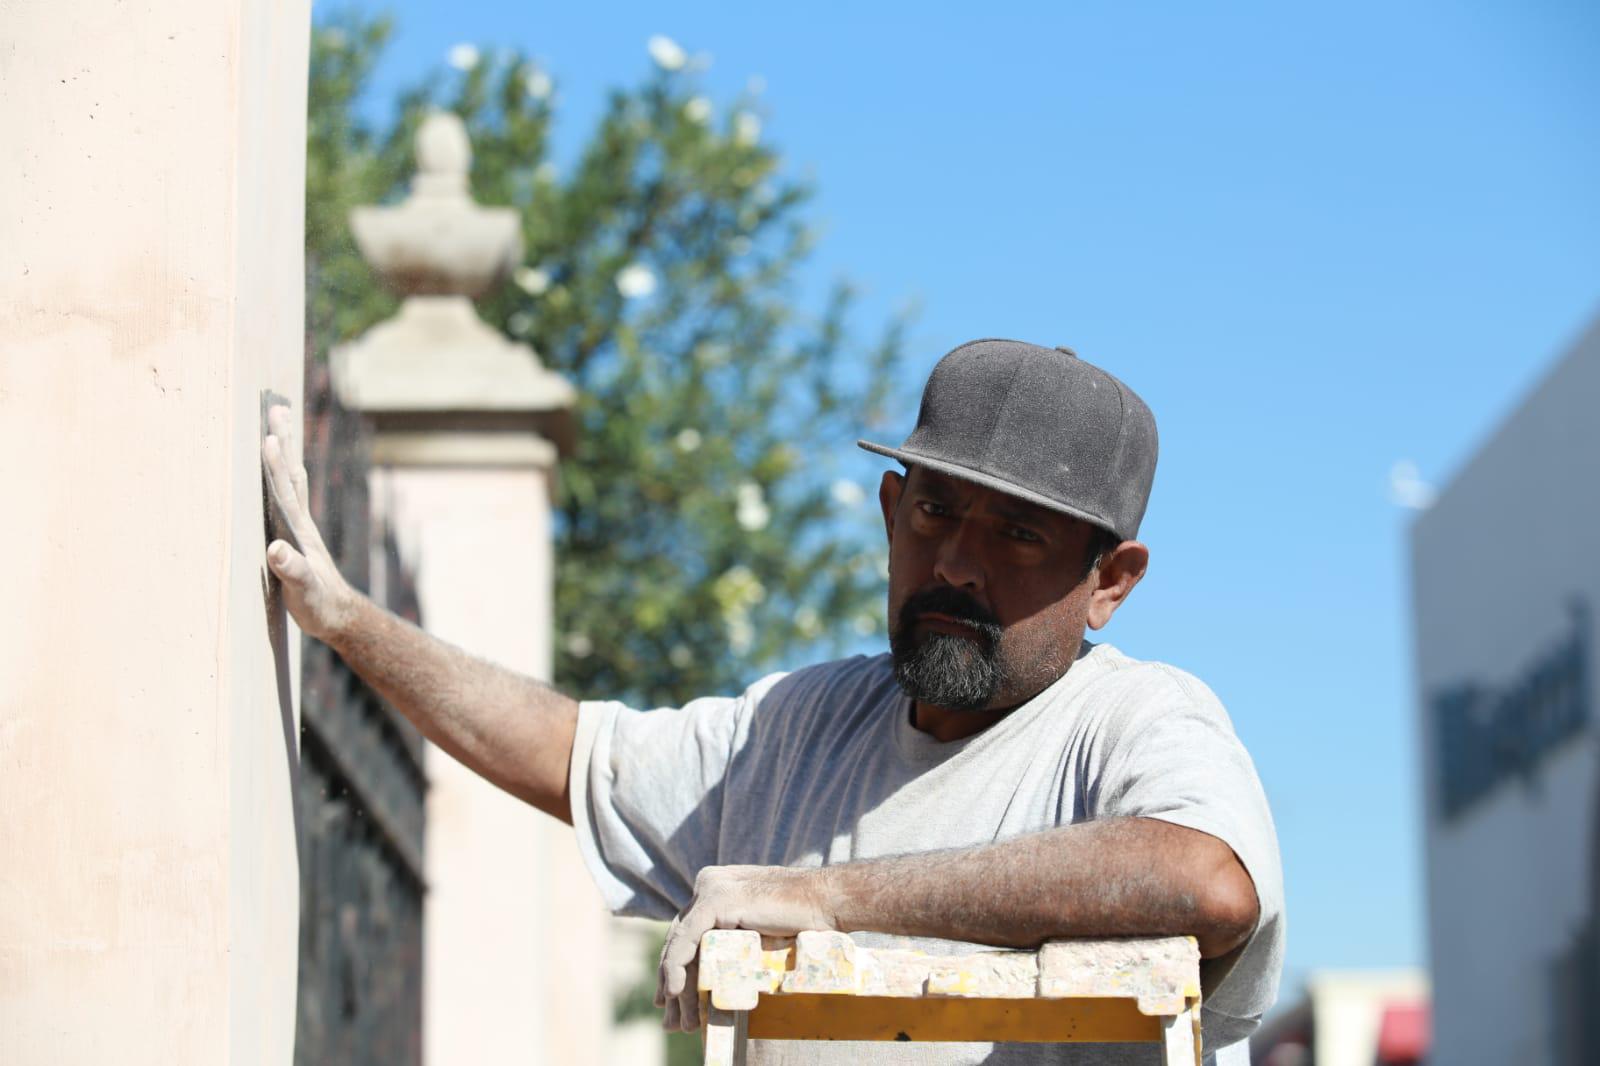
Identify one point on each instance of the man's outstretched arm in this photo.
(1114, 877)
(512, 730)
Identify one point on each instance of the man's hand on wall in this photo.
(316, 594)
(775, 900)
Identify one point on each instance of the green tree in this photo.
(701, 534)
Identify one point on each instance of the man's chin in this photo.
(945, 700)
(946, 670)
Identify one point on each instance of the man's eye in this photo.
(1026, 535)
(928, 507)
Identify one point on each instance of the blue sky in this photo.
(1317, 240)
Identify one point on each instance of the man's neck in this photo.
(945, 725)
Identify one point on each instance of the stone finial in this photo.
(444, 156)
(438, 242)
(440, 384)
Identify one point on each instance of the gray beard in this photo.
(943, 670)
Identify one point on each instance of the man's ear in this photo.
(889, 490)
(1114, 579)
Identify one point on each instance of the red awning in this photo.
(1404, 1035)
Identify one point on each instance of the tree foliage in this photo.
(703, 530)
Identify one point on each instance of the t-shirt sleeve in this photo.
(1167, 750)
(647, 798)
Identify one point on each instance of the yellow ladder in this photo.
(822, 986)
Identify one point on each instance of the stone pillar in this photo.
(150, 293)
(468, 427)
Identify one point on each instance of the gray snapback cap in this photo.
(1039, 424)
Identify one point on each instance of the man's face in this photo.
(986, 605)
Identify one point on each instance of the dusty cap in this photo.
(1039, 424)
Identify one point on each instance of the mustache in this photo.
(954, 603)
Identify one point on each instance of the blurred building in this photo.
(1350, 1018)
(1506, 578)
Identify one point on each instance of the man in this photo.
(996, 779)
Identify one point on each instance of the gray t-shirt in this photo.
(824, 766)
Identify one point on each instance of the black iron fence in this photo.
(360, 796)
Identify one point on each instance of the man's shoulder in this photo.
(855, 679)
(1118, 680)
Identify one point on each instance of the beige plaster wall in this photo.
(151, 186)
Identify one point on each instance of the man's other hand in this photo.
(775, 900)
(316, 594)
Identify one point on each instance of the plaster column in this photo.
(151, 193)
(467, 433)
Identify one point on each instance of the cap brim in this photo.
(988, 481)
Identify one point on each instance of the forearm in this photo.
(510, 729)
(1114, 877)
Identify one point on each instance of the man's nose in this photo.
(959, 561)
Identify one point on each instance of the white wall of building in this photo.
(1498, 563)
